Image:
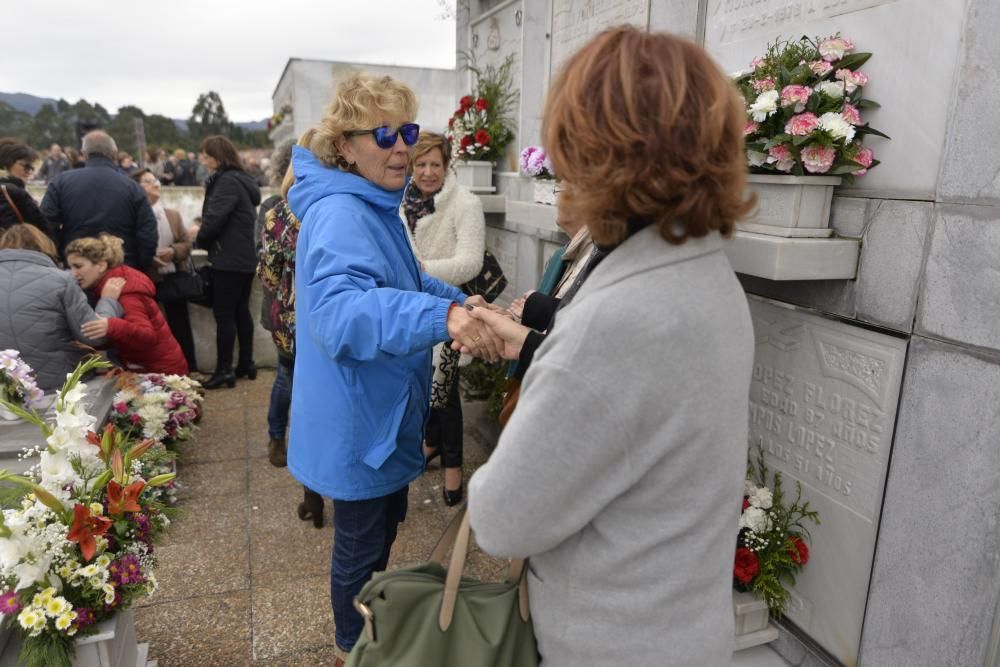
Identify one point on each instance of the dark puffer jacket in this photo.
(227, 221)
(41, 311)
(141, 336)
(25, 205)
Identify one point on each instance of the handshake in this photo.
(485, 331)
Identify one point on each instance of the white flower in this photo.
(762, 498)
(756, 520)
(29, 573)
(765, 105)
(837, 126)
(748, 488)
(832, 89)
(756, 158)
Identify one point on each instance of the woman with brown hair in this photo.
(44, 308)
(620, 472)
(140, 337)
(227, 232)
(17, 164)
(449, 237)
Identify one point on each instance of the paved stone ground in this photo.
(242, 580)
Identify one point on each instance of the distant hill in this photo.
(33, 104)
(24, 102)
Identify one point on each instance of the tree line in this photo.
(66, 123)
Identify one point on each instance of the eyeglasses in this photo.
(148, 181)
(385, 136)
(27, 166)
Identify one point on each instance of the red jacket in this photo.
(142, 338)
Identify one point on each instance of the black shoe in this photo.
(249, 371)
(452, 498)
(311, 507)
(220, 378)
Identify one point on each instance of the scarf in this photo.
(165, 235)
(415, 206)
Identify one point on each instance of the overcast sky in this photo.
(161, 55)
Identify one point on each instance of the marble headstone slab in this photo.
(915, 45)
(574, 22)
(823, 407)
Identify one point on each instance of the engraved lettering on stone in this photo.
(576, 21)
(730, 20)
(852, 361)
(782, 334)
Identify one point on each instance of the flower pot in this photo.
(545, 192)
(751, 617)
(791, 206)
(477, 176)
(113, 645)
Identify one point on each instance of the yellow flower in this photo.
(27, 618)
(103, 561)
(96, 583)
(63, 622)
(97, 509)
(64, 572)
(89, 571)
(56, 606)
(109, 594)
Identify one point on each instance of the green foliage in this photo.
(208, 117)
(485, 380)
(47, 650)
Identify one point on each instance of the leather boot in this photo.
(276, 452)
(311, 507)
(220, 377)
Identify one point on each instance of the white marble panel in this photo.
(823, 407)
(915, 45)
(574, 22)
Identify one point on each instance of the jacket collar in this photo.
(646, 250)
(30, 256)
(98, 160)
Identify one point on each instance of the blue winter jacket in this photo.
(367, 319)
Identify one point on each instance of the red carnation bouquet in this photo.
(772, 546)
(480, 127)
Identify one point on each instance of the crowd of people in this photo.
(625, 448)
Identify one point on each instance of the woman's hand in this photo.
(511, 333)
(95, 328)
(472, 336)
(112, 289)
(165, 255)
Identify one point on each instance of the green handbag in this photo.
(426, 616)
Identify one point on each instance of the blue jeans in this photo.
(281, 399)
(363, 533)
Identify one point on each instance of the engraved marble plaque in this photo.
(574, 22)
(898, 33)
(823, 405)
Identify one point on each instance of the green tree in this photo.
(162, 132)
(208, 117)
(49, 127)
(123, 126)
(14, 123)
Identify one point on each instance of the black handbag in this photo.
(490, 283)
(179, 286)
(204, 273)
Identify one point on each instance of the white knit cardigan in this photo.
(450, 242)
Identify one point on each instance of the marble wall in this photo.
(927, 286)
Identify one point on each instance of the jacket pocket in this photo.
(384, 444)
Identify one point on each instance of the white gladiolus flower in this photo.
(765, 105)
(837, 126)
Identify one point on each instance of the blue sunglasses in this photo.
(385, 136)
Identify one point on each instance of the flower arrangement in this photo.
(804, 101)
(535, 163)
(17, 382)
(772, 546)
(480, 127)
(279, 115)
(78, 547)
(162, 407)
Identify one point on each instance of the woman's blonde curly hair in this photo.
(362, 101)
(104, 248)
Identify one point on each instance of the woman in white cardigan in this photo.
(449, 236)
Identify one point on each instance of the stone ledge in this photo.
(779, 258)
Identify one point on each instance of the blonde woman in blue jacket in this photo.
(367, 319)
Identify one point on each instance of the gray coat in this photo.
(41, 312)
(620, 473)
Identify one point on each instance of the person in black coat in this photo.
(100, 198)
(17, 162)
(227, 232)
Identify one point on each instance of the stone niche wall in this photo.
(899, 368)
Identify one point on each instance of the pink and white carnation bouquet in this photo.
(163, 407)
(804, 101)
(17, 383)
(535, 162)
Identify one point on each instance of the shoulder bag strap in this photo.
(10, 201)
